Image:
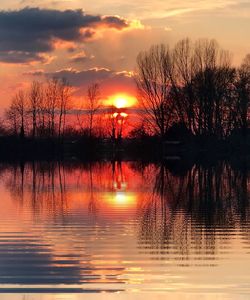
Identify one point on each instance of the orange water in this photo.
(123, 230)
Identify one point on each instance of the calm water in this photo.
(124, 230)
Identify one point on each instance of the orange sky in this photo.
(98, 41)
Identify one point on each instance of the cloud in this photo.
(27, 33)
(39, 72)
(114, 22)
(79, 78)
(85, 77)
(16, 57)
(109, 80)
(80, 57)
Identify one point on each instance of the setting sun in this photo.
(121, 100)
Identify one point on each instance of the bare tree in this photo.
(12, 119)
(202, 86)
(93, 104)
(154, 87)
(63, 105)
(212, 80)
(51, 103)
(111, 124)
(181, 80)
(20, 108)
(35, 98)
(243, 95)
(42, 112)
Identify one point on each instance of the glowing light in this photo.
(121, 199)
(121, 100)
(124, 115)
(115, 115)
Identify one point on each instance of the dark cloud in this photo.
(26, 33)
(110, 81)
(16, 57)
(114, 22)
(80, 78)
(88, 34)
(83, 78)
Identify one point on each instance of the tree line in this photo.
(193, 84)
(40, 111)
(46, 110)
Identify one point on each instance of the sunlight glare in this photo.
(121, 199)
(121, 100)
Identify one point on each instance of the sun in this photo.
(121, 100)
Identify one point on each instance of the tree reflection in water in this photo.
(182, 210)
(187, 212)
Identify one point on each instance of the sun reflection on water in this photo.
(123, 227)
(120, 199)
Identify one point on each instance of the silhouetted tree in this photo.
(181, 81)
(193, 83)
(203, 86)
(93, 105)
(51, 103)
(111, 124)
(63, 105)
(243, 95)
(19, 107)
(154, 87)
(12, 119)
(35, 98)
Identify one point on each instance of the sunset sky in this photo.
(98, 41)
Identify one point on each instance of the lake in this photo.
(124, 230)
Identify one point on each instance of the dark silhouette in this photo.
(182, 203)
(194, 84)
(203, 198)
(191, 99)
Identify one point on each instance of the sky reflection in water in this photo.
(123, 228)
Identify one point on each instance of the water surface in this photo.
(125, 229)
